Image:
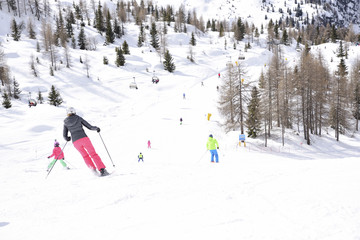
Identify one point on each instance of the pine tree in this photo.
(193, 40)
(221, 31)
(333, 34)
(16, 30)
(6, 101)
(125, 48)
(285, 37)
(253, 120)
(54, 97)
(154, 36)
(120, 59)
(168, 62)
(105, 60)
(117, 29)
(110, 36)
(82, 39)
(32, 34)
(99, 19)
(40, 98)
(16, 89)
(140, 42)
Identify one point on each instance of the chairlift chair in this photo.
(241, 56)
(155, 79)
(133, 85)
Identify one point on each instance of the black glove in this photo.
(98, 129)
(68, 138)
(217, 147)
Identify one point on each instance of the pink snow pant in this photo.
(87, 151)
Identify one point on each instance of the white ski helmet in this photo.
(70, 110)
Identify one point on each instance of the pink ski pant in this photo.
(87, 151)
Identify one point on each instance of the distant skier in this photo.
(212, 145)
(219, 75)
(58, 155)
(181, 121)
(81, 142)
(149, 144)
(183, 95)
(140, 157)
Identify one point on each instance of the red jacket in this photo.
(57, 153)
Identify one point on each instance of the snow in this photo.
(279, 192)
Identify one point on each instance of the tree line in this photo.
(305, 97)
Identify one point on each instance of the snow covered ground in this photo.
(291, 192)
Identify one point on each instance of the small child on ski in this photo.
(149, 144)
(58, 155)
(140, 157)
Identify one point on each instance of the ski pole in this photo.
(56, 158)
(107, 150)
(202, 156)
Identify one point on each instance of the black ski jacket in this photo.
(74, 123)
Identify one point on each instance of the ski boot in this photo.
(103, 172)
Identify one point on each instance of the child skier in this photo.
(140, 157)
(58, 156)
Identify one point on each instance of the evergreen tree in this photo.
(221, 31)
(168, 62)
(141, 38)
(105, 60)
(120, 59)
(154, 36)
(40, 98)
(117, 29)
(32, 34)
(16, 30)
(125, 48)
(82, 39)
(99, 19)
(6, 100)
(253, 120)
(16, 90)
(140, 42)
(276, 30)
(54, 97)
(193, 40)
(333, 35)
(110, 36)
(239, 30)
(285, 37)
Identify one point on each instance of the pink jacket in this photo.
(57, 153)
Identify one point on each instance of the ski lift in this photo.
(32, 102)
(155, 79)
(133, 85)
(241, 56)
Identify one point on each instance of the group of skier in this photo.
(74, 124)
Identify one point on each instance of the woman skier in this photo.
(81, 142)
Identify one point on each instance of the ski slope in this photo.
(292, 192)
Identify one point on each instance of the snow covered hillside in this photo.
(280, 192)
